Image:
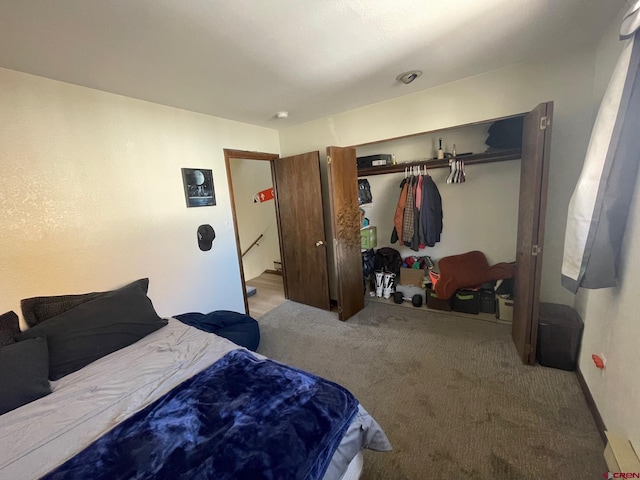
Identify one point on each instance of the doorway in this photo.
(256, 227)
(297, 197)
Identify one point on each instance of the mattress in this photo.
(86, 404)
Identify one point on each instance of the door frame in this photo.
(230, 154)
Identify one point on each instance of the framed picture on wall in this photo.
(198, 187)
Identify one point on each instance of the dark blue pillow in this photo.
(9, 328)
(95, 328)
(24, 371)
(38, 309)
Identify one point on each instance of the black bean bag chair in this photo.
(241, 329)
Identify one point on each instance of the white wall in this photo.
(91, 196)
(611, 325)
(568, 81)
(254, 219)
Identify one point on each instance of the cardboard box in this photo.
(412, 276)
(368, 238)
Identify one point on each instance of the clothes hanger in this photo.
(452, 171)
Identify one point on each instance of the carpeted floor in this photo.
(451, 393)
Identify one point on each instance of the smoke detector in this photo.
(282, 115)
(408, 77)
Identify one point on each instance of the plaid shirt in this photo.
(408, 225)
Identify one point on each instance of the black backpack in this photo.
(364, 192)
(387, 259)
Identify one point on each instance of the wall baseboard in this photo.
(592, 406)
(275, 272)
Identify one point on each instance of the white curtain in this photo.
(599, 207)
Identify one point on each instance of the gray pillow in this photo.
(38, 309)
(9, 327)
(95, 328)
(24, 371)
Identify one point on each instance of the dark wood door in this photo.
(301, 226)
(342, 173)
(534, 177)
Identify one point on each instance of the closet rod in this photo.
(501, 156)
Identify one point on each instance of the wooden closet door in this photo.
(342, 173)
(534, 177)
(301, 226)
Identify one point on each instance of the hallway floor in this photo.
(269, 293)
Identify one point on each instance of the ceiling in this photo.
(245, 60)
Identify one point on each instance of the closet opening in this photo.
(493, 200)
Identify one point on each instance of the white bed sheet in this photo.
(86, 404)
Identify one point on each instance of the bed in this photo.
(103, 398)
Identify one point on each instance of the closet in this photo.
(527, 219)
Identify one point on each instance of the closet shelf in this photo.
(497, 156)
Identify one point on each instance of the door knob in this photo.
(319, 243)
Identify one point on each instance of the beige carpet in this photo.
(451, 393)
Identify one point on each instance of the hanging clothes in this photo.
(414, 243)
(408, 225)
(418, 216)
(398, 217)
(420, 229)
(431, 211)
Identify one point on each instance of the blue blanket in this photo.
(241, 418)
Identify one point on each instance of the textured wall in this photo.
(91, 196)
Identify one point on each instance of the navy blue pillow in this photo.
(24, 371)
(9, 327)
(39, 309)
(94, 329)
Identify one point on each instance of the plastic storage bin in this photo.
(466, 301)
(504, 310)
(559, 335)
(436, 303)
(487, 301)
